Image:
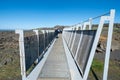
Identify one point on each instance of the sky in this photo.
(30, 14)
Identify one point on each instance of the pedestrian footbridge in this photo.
(66, 57)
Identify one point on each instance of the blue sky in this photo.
(29, 14)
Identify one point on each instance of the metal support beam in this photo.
(74, 37)
(22, 53)
(43, 31)
(37, 33)
(109, 40)
(71, 29)
(72, 33)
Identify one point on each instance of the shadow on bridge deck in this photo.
(56, 66)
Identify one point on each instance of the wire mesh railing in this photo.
(33, 44)
(82, 40)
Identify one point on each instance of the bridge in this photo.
(66, 57)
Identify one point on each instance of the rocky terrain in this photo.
(9, 56)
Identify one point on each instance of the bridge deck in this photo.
(56, 66)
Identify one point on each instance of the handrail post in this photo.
(22, 53)
(109, 39)
(90, 23)
(37, 33)
(43, 31)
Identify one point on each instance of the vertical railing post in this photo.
(109, 40)
(47, 37)
(22, 53)
(69, 35)
(90, 23)
(81, 28)
(92, 52)
(74, 38)
(43, 31)
(72, 32)
(37, 33)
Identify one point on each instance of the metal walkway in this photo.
(56, 66)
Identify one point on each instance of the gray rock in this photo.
(1, 65)
(6, 61)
